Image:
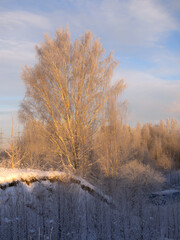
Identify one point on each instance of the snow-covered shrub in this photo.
(135, 179)
(138, 175)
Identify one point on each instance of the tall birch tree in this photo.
(67, 90)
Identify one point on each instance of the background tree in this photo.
(14, 149)
(66, 91)
(40, 152)
(108, 139)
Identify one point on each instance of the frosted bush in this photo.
(134, 174)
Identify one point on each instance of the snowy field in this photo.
(54, 205)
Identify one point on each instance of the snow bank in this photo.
(12, 177)
(9, 175)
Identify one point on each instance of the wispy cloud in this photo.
(137, 21)
(150, 98)
(15, 52)
(13, 56)
(131, 22)
(166, 64)
(12, 19)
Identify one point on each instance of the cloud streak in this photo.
(10, 20)
(150, 98)
(126, 23)
(16, 52)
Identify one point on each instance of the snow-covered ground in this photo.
(49, 205)
(55, 205)
(11, 177)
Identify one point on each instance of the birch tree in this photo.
(67, 90)
(108, 139)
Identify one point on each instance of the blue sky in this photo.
(144, 35)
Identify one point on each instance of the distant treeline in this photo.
(113, 145)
